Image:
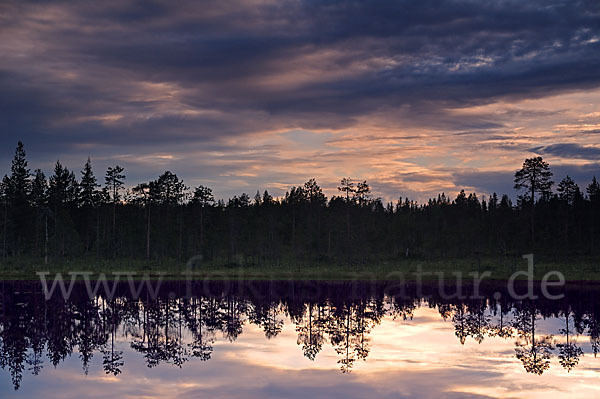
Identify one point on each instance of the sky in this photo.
(416, 98)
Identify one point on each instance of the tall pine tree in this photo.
(17, 188)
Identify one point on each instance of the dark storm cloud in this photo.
(582, 174)
(569, 150)
(445, 52)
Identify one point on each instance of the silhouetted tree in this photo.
(39, 201)
(363, 191)
(17, 187)
(203, 197)
(568, 190)
(535, 177)
(114, 180)
(62, 195)
(89, 200)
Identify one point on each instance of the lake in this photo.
(297, 339)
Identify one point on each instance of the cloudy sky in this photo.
(415, 97)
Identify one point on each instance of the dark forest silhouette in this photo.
(175, 328)
(64, 216)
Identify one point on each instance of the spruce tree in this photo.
(593, 191)
(17, 188)
(19, 183)
(62, 197)
(88, 187)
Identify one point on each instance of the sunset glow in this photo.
(265, 95)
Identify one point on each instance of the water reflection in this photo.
(175, 328)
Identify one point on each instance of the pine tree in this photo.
(347, 187)
(89, 199)
(62, 196)
(363, 192)
(171, 189)
(114, 183)
(593, 190)
(89, 195)
(203, 197)
(142, 193)
(39, 200)
(17, 188)
(63, 187)
(39, 190)
(19, 183)
(568, 190)
(314, 193)
(536, 178)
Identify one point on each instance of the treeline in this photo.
(69, 216)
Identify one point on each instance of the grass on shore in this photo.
(578, 269)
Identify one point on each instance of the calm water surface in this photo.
(296, 340)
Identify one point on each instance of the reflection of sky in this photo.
(418, 358)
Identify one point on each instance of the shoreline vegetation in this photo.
(582, 269)
(65, 223)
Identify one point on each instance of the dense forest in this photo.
(65, 216)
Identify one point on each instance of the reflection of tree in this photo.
(341, 335)
(471, 322)
(201, 345)
(445, 310)
(501, 330)
(173, 330)
(112, 360)
(403, 309)
(233, 318)
(60, 338)
(569, 352)
(266, 317)
(90, 334)
(177, 350)
(310, 332)
(593, 326)
(14, 347)
(349, 330)
(37, 340)
(534, 352)
(461, 328)
(535, 355)
(478, 323)
(147, 342)
(162, 339)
